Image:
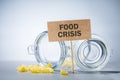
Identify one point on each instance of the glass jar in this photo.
(92, 54)
(48, 52)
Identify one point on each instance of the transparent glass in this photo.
(89, 55)
(92, 54)
(48, 52)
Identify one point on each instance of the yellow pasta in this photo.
(63, 72)
(49, 65)
(36, 68)
(22, 68)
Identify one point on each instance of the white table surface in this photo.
(8, 72)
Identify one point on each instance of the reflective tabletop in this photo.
(8, 72)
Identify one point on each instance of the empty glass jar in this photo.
(48, 52)
(92, 54)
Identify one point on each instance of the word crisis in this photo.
(69, 30)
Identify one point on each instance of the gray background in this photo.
(22, 20)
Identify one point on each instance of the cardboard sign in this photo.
(69, 30)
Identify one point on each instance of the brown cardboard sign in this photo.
(69, 30)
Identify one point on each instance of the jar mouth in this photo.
(49, 52)
(92, 54)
